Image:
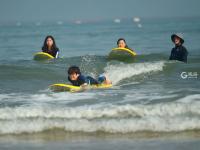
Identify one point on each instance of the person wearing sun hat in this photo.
(179, 52)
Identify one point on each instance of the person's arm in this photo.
(185, 54)
(57, 53)
(84, 86)
(107, 81)
(129, 48)
(171, 55)
(82, 81)
(43, 49)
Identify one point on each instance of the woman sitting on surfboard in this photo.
(121, 43)
(50, 47)
(77, 79)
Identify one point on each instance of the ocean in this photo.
(154, 103)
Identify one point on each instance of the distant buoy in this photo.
(136, 19)
(117, 20)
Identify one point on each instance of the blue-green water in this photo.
(148, 94)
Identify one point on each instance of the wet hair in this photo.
(45, 47)
(74, 69)
(122, 39)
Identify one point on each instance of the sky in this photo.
(64, 10)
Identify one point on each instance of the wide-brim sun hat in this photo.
(179, 35)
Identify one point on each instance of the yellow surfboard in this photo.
(60, 87)
(121, 54)
(42, 56)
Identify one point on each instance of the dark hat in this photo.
(179, 35)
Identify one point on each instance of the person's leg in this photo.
(103, 79)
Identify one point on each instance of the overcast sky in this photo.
(64, 10)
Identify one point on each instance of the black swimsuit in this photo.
(179, 53)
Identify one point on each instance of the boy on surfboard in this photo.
(77, 79)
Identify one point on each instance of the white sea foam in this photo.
(44, 97)
(166, 117)
(147, 99)
(122, 71)
(190, 98)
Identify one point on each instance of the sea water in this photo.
(150, 96)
